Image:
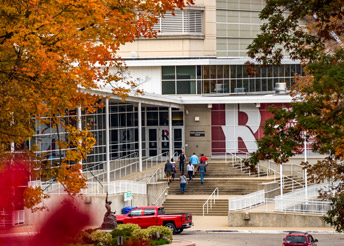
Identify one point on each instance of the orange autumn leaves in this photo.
(52, 52)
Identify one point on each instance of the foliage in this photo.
(52, 54)
(100, 238)
(335, 216)
(160, 242)
(141, 234)
(163, 231)
(130, 227)
(317, 112)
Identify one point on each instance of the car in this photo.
(299, 239)
(155, 216)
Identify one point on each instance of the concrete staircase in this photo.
(228, 178)
(195, 206)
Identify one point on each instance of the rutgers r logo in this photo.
(233, 131)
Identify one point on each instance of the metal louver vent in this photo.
(187, 21)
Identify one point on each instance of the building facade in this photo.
(200, 95)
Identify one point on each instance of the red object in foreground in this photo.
(62, 226)
(155, 216)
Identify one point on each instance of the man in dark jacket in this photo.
(168, 170)
(202, 168)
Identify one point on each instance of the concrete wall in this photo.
(94, 205)
(198, 145)
(268, 187)
(154, 191)
(177, 44)
(255, 219)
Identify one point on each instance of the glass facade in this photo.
(226, 79)
(123, 127)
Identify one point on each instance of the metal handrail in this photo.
(285, 177)
(162, 193)
(154, 174)
(210, 198)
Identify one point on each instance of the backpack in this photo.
(182, 157)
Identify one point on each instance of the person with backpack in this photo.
(204, 160)
(183, 181)
(190, 169)
(182, 158)
(202, 168)
(168, 171)
(194, 161)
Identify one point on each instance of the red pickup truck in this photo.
(151, 216)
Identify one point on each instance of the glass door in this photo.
(178, 139)
(164, 139)
(152, 141)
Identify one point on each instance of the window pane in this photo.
(177, 118)
(168, 73)
(136, 212)
(149, 211)
(186, 87)
(168, 87)
(152, 118)
(163, 117)
(186, 72)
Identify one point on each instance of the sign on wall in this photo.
(197, 133)
(236, 127)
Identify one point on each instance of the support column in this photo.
(140, 134)
(79, 125)
(170, 130)
(281, 179)
(107, 134)
(306, 181)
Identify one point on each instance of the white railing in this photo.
(157, 174)
(121, 171)
(161, 198)
(298, 196)
(212, 199)
(246, 201)
(116, 187)
(17, 218)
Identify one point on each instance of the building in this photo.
(194, 73)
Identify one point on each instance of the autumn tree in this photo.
(311, 32)
(51, 53)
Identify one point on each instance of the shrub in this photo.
(164, 232)
(160, 242)
(130, 227)
(141, 234)
(101, 238)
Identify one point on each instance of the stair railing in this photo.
(283, 179)
(212, 198)
(161, 198)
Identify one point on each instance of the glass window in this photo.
(168, 87)
(186, 72)
(177, 118)
(161, 211)
(186, 87)
(233, 71)
(199, 72)
(152, 118)
(163, 118)
(168, 73)
(226, 72)
(206, 74)
(149, 211)
(219, 70)
(213, 71)
(136, 212)
(239, 71)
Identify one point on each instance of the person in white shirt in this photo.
(190, 169)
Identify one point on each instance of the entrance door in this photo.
(152, 141)
(178, 139)
(159, 140)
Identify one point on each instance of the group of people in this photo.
(195, 164)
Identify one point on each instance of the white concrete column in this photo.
(170, 130)
(140, 134)
(281, 179)
(306, 181)
(107, 134)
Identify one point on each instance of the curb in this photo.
(262, 231)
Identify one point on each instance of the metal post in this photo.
(306, 181)
(79, 125)
(107, 134)
(281, 180)
(170, 130)
(140, 135)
